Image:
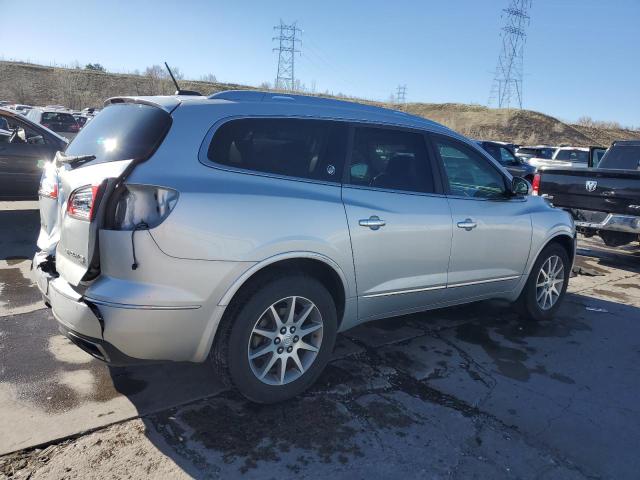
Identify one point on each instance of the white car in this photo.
(574, 157)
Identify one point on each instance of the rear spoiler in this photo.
(167, 103)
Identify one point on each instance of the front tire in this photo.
(277, 337)
(546, 285)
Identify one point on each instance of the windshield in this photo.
(122, 132)
(625, 157)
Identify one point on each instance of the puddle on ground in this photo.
(511, 360)
(17, 288)
(250, 433)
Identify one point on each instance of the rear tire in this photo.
(260, 321)
(547, 284)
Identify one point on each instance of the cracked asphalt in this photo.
(467, 392)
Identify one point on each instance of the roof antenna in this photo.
(178, 91)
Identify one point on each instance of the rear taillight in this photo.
(82, 202)
(535, 186)
(74, 127)
(49, 182)
(46, 125)
(143, 205)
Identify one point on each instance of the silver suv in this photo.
(249, 228)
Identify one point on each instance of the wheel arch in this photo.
(564, 239)
(319, 266)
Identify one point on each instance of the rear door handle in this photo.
(373, 222)
(468, 224)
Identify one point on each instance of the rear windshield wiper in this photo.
(73, 160)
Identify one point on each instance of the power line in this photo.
(287, 38)
(507, 82)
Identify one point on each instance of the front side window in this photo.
(312, 149)
(469, 174)
(390, 159)
(18, 133)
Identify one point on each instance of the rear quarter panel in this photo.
(240, 216)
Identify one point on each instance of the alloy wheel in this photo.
(549, 282)
(285, 340)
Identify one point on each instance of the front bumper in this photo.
(586, 220)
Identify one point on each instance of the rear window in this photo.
(312, 149)
(625, 157)
(579, 156)
(59, 122)
(128, 131)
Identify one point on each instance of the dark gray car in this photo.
(503, 153)
(24, 148)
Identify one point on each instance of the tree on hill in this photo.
(96, 67)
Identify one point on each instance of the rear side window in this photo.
(625, 157)
(311, 149)
(127, 131)
(390, 159)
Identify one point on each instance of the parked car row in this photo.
(61, 120)
(283, 220)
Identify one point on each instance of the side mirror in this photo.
(519, 186)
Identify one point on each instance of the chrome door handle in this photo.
(373, 222)
(468, 224)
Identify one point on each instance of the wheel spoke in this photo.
(263, 351)
(297, 361)
(292, 311)
(265, 333)
(541, 292)
(283, 369)
(310, 329)
(305, 346)
(276, 317)
(305, 313)
(274, 358)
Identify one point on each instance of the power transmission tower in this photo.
(506, 90)
(287, 38)
(401, 94)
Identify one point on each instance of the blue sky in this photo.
(581, 56)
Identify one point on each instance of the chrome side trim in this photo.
(477, 282)
(141, 307)
(400, 292)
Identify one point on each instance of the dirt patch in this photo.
(610, 294)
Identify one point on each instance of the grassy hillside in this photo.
(41, 85)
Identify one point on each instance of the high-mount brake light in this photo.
(82, 202)
(535, 186)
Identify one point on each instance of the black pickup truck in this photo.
(604, 201)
